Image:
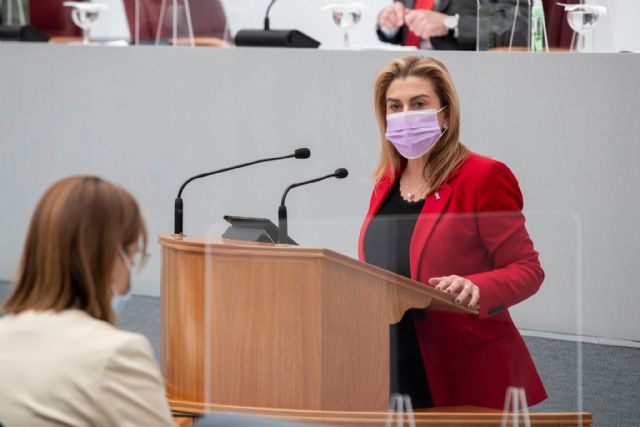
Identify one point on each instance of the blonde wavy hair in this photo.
(448, 153)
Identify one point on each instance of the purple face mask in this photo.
(413, 133)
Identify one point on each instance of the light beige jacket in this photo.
(69, 369)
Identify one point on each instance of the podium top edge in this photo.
(219, 245)
(195, 242)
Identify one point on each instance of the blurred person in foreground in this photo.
(62, 359)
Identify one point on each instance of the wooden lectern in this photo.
(264, 327)
(280, 326)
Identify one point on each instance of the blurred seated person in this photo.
(62, 359)
(430, 24)
(452, 24)
(208, 18)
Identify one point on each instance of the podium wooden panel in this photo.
(280, 326)
(293, 333)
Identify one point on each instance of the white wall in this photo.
(625, 15)
(148, 118)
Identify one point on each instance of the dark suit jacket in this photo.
(496, 24)
(467, 9)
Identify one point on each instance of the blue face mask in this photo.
(119, 301)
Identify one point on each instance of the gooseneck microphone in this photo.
(300, 153)
(283, 236)
(267, 37)
(267, 25)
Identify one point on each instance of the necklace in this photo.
(412, 195)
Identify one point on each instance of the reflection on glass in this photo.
(539, 40)
(515, 403)
(8, 18)
(504, 24)
(84, 15)
(582, 18)
(400, 404)
(179, 18)
(346, 16)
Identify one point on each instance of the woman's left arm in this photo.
(516, 273)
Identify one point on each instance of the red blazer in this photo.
(473, 227)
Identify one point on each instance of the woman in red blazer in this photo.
(450, 219)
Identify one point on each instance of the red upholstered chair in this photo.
(53, 19)
(558, 30)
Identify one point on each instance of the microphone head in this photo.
(302, 153)
(341, 173)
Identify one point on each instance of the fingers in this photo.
(462, 288)
(457, 285)
(447, 284)
(418, 22)
(441, 283)
(465, 291)
(411, 17)
(475, 297)
(434, 281)
(385, 20)
(392, 16)
(425, 23)
(399, 12)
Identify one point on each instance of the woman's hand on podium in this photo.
(464, 289)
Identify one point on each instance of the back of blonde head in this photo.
(448, 153)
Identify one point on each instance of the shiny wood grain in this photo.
(279, 326)
(446, 416)
(183, 421)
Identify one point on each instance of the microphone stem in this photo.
(266, 16)
(301, 153)
(282, 225)
(298, 184)
(283, 231)
(177, 218)
(202, 175)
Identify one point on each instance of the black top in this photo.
(388, 237)
(386, 244)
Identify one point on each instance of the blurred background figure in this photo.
(208, 18)
(430, 24)
(451, 24)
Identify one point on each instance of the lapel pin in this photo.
(437, 196)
